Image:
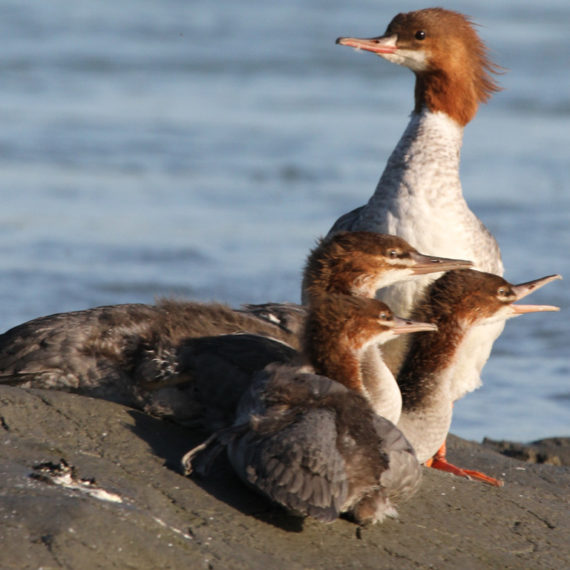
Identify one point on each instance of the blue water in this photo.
(199, 149)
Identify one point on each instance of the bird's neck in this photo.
(382, 390)
(338, 363)
(450, 93)
(427, 372)
(426, 380)
(425, 163)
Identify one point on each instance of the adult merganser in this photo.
(309, 443)
(432, 377)
(419, 195)
(120, 352)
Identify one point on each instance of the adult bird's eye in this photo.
(420, 35)
(393, 254)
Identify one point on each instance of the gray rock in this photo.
(125, 505)
(552, 450)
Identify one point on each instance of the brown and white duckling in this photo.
(433, 375)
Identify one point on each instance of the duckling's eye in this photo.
(420, 35)
(393, 254)
(503, 292)
(385, 317)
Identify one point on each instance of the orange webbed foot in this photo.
(438, 461)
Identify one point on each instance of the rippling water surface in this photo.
(199, 148)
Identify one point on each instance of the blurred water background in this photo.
(198, 149)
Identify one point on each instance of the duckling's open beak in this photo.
(382, 44)
(430, 264)
(521, 309)
(524, 289)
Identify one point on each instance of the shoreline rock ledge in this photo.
(87, 484)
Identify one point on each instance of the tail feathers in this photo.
(374, 508)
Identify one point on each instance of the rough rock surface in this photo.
(164, 520)
(552, 450)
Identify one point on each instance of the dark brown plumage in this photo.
(113, 351)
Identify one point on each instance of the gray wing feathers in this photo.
(403, 477)
(297, 466)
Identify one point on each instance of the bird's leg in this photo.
(439, 461)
